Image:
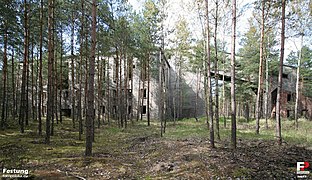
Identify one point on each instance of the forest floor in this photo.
(138, 152)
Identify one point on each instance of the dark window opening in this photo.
(130, 72)
(66, 112)
(285, 76)
(143, 109)
(288, 113)
(288, 97)
(144, 93)
(129, 109)
(133, 66)
(103, 109)
(274, 96)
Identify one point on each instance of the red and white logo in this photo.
(302, 168)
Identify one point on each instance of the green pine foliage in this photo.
(305, 68)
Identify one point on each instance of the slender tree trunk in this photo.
(177, 92)
(4, 79)
(13, 86)
(131, 87)
(104, 90)
(28, 110)
(27, 86)
(32, 81)
(174, 97)
(119, 91)
(148, 88)
(27, 74)
(120, 94)
(85, 33)
(18, 94)
(50, 71)
(79, 93)
(180, 90)
(126, 82)
(160, 107)
(90, 111)
(206, 91)
(266, 106)
(143, 71)
(73, 94)
(211, 128)
(223, 92)
(99, 88)
(233, 101)
(61, 77)
(165, 94)
(79, 106)
(117, 99)
(25, 65)
(197, 94)
(260, 80)
(246, 111)
(139, 108)
(36, 84)
(297, 85)
(216, 73)
(108, 92)
(279, 85)
(84, 103)
(53, 81)
(238, 109)
(40, 71)
(174, 102)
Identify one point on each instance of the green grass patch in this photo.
(19, 150)
(189, 128)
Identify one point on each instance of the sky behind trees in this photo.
(188, 9)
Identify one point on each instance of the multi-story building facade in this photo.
(181, 96)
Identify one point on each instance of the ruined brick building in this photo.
(288, 95)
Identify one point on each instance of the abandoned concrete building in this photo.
(143, 95)
(288, 95)
(184, 93)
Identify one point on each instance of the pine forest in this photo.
(156, 89)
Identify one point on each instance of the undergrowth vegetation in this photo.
(112, 144)
(246, 130)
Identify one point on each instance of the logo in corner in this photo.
(302, 168)
(15, 173)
